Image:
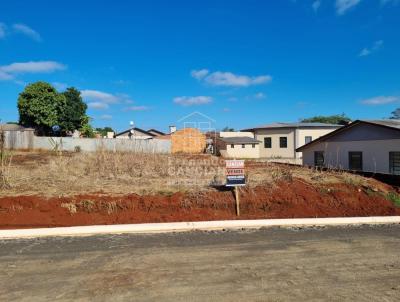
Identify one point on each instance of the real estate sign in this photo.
(235, 173)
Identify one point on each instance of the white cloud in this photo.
(380, 100)
(199, 74)
(106, 117)
(27, 31)
(32, 67)
(226, 109)
(99, 96)
(5, 76)
(3, 29)
(8, 72)
(192, 100)
(367, 51)
(315, 5)
(219, 78)
(260, 96)
(98, 105)
(342, 6)
(136, 108)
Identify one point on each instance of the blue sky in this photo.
(243, 63)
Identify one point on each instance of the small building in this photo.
(135, 133)
(363, 145)
(238, 147)
(280, 140)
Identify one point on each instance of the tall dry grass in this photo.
(5, 163)
(117, 173)
(57, 174)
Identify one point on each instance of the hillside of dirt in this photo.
(292, 198)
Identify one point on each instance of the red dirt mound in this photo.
(295, 199)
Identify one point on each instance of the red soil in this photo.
(286, 200)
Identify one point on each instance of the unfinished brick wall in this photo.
(188, 140)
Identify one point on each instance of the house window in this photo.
(283, 142)
(232, 146)
(394, 163)
(253, 145)
(267, 142)
(243, 146)
(355, 161)
(308, 139)
(319, 158)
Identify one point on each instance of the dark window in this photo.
(243, 146)
(253, 145)
(267, 142)
(319, 158)
(355, 161)
(232, 146)
(283, 142)
(394, 163)
(308, 139)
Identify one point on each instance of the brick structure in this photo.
(188, 140)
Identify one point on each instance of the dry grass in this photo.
(117, 173)
(123, 173)
(5, 164)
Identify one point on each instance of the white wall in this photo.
(238, 152)
(275, 134)
(375, 154)
(314, 133)
(21, 140)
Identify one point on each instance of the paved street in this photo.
(314, 264)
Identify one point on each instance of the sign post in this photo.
(235, 178)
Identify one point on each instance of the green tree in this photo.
(74, 115)
(87, 131)
(40, 106)
(103, 131)
(395, 114)
(227, 129)
(340, 119)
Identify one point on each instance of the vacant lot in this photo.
(59, 189)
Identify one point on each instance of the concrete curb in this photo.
(192, 226)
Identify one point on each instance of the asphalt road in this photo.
(314, 264)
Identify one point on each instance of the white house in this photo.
(370, 146)
(234, 144)
(280, 140)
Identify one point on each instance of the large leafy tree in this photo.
(74, 115)
(40, 106)
(395, 114)
(340, 119)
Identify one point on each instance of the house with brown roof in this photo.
(363, 145)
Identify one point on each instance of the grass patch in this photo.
(394, 197)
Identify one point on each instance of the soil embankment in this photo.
(294, 199)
